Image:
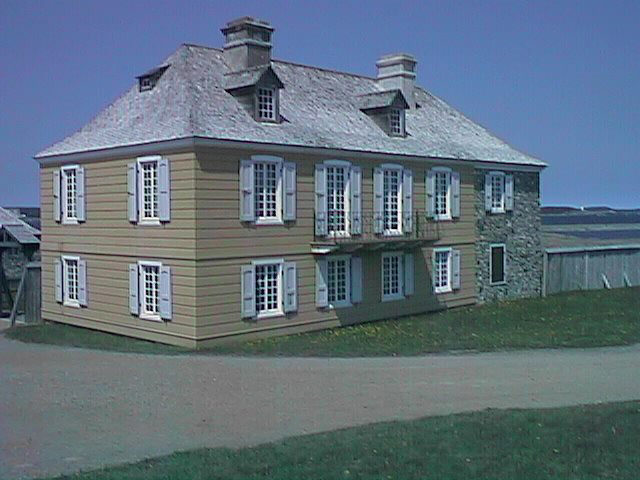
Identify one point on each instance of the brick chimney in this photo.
(398, 72)
(247, 43)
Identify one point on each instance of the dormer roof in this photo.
(387, 99)
(251, 77)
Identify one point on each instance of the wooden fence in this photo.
(27, 301)
(589, 268)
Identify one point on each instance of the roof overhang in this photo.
(193, 143)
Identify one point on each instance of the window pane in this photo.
(71, 267)
(149, 190)
(442, 193)
(441, 274)
(497, 264)
(395, 122)
(150, 289)
(267, 288)
(497, 192)
(70, 197)
(266, 107)
(266, 189)
(391, 275)
(337, 280)
(336, 199)
(391, 198)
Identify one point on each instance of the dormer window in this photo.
(267, 104)
(396, 122)
(148, 80)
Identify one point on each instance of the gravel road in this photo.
(63, 409)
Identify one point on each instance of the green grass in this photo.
(586, 442)
(576, 319)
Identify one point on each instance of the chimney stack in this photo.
(398, 72)
(247, 43)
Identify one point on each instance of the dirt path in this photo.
(62, 410)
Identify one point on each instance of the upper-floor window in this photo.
(392, 201)
(267, 190)
(498, 192)
(396, 121)
(148, 186)
(70, 190)
(267, 104)
(149, 191)
(443, 193)
(68, 194)
(338, 201)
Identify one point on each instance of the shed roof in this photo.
(21, 231)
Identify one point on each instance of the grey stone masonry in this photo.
(519, 230)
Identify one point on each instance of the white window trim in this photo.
(280, 263)
(504, 263)
(65, 281)
(142, 220)
(448, 287)
(347, 197)
(276, 101)
(401, 113)
(503, 208)
(347, 302)
(279, 161)
(448, 171)
(141, 291)
(399, 168)
(63, 195)
(400, 294)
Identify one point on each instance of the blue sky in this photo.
(556, 79)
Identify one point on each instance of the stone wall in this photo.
(519, 230)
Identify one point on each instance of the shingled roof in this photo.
(320, 108)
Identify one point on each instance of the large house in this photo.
(228, 195)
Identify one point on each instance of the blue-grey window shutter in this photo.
(81, 204)
(166, 310)
(289, 200)
(290, 287)
(455, 267)
(430, 188)
(322, 291)
(164, 190)
(321, 199)
(132, 191)
(409, 282)
(355, 183)
(82, 283)
(455, 194)
(57, 274)
(378, 210)
(508, 192)
(356, 279)
(57, 205)
(407, 200)
(134, 302)
(248, 291)
(247, 206)
(487, 192)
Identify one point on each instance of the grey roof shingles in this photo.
(321, 109)
(17, 228)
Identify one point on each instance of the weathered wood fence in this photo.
(28, 296)
(589, 268)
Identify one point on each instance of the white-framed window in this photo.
(396, 122)
(338, 201)
(149, 275)
(392, 276)
(267, 179)
(268, 290)
(339, 281)
(442, 270)
(267, 104)
(148, 188)
(442, 194)
(71, 274)
(150, 295)
(392, 201)
(497, 192)
(69, 177)
(497, 263)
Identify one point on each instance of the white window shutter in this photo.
(134, 302)
(407, 200)
(290, 287)
(81, 204)
(164, 190)
(165, 306)
(508, 192)
(455, 269)
(487, 192)
(57, 274)
(409, 282)
(455, 194)
(57, 204)
(82, 283)
(322, 291)
(430, 188)
(356, 279)
(248, 287)
(289, 201)
(321, 200)
(378, 209)
(247, 205)
(132, 191)
(355, 183)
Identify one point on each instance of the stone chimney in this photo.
(247, 43)
(398, 72)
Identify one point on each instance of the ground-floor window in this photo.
(497, 260)
(339, 281)
(442, 270)
(70, 276)
(149, 290)
(268, 288)
(392, 276)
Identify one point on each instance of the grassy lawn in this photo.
(577, 319)
(586, 442)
